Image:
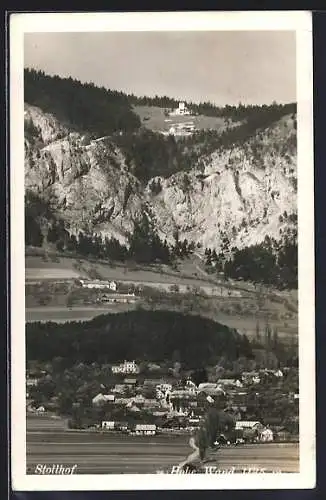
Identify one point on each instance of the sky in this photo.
(252, 67)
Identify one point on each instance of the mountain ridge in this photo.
(241, 192)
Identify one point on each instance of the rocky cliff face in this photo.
(242, 193)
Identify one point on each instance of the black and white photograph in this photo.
(162, 251)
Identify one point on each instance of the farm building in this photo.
(247, 424)
(181, 110)
(99, 284)
(122, 298)
(145, 429)
(108, 425)
(103, 398)
(266, 435)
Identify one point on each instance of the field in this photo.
(153, 117)
(100, 453)
(50, 283)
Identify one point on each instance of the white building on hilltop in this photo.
(181, 110)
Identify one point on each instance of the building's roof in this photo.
(130, 381)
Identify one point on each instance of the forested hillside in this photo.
(99, 183)
(139, 335)
(82, 106)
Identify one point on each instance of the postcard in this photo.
(162, 251)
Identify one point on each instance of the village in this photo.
(140, 399)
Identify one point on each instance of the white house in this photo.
(126, 367)
(266, 435)
(164, 387)
(182, 109)
(145, 429)
(247, 424)
(191, 387)
(122, 298)
(99, 284)
(108, 425)
(103, 398)
(31, 382)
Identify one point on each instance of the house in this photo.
(250, 377)
(278, 373)
(181, 110)
(32, 382)
(211, 389)
(103, 398)
(230, 382)
(247, 424)
(98, 284)
(122, 401)
(121, 426)
(119, 388)
(164, 387)
(266, 435)
(179, 393)
(194, 421)
(126, 367)
(207, 385)
(121, 298)
(145, 429)
(108, 425)
(191, 387)
(40, 409)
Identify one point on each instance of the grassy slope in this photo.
(156, 119)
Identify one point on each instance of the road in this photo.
(96, 453)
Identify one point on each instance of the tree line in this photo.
(270, 262)
(235, 113)
(83, 106)
(101, 112)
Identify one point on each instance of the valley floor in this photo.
(188, 288)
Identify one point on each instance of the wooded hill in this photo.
(82, 106)
(139, 335)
